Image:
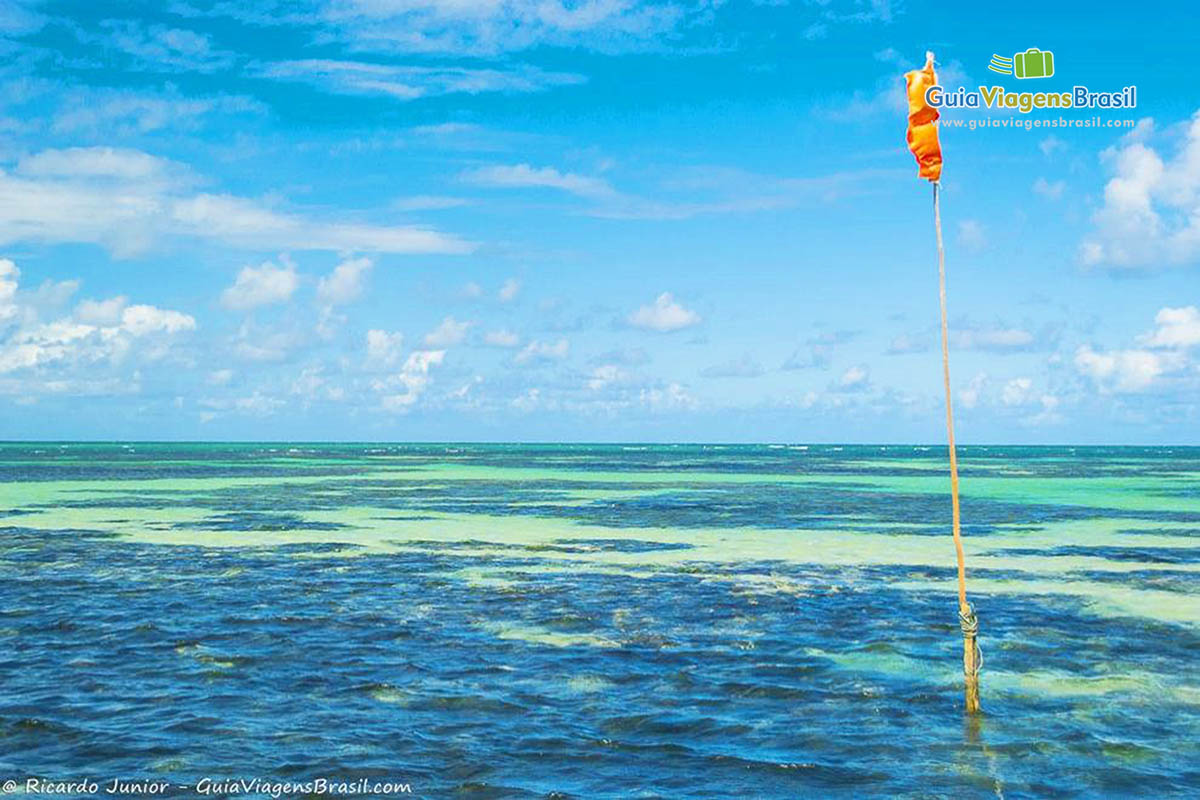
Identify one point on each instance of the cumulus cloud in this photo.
(970, 396)
(664, 315)
(384, 347)
(854, 379)
(263, 285)
(1177, 327)
(1123, 371)
(140, 320)
(413, 379)
(448, 332)
(606, 375)
(345, 283)
(111, 334)
(1151, 211)
(537, 351)
(672, 397)
(1161, 353)
(1017, 392)
(101, 312)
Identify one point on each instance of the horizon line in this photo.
(642, 443)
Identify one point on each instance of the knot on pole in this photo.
(970, 629)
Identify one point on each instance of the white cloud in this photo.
(50, 296)
(543, 351)
(970, 396)
(854, 379)
(9, 277)
(501, 338)
(909, 343)
(606, 375)
(664, 315)
(1162, 354)
(111, 336)
(219, 377)
(1017, 392)
(125, 112)
(384, 347)
(413, 378)
(1177, 327)
(257, 405)
(126, 201)
(472, 290)
(101, 312)
(508, 292)
(449, 332)
(312, 385)
(140, 320)
(1051, 190)
(158, 47)
(526, 176)
(96, 162)
(492, 28)
(254, 343)
(345, 283)
(1123, 371)
(1151, 211)
(410, 82)
(672, 397)
(1048, 415)
(426, 202)
(263, 285)
(243, 222)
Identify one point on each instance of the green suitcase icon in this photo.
(1033, 63)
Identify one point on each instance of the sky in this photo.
(596, 220)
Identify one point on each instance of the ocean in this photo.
(594, 621)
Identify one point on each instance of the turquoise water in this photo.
(601, 621)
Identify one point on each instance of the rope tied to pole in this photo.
(969, 624)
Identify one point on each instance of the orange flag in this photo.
(922, 121)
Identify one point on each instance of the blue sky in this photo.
(599, 220)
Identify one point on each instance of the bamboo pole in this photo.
(972, 662)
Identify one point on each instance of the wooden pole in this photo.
(966, 613)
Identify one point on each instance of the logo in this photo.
(1033, 63)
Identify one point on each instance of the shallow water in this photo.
(601, 621)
